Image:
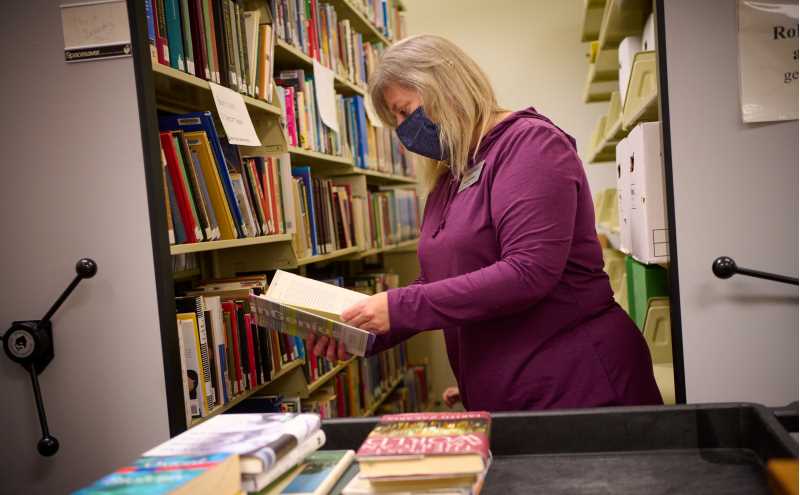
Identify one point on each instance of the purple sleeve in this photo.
(534, 198)
(394, 337)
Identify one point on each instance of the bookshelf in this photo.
(181, 91)
(284, 371)
(288, 56)
(175, 91)
(327, 257)
(359, 21)
(319, 382)
(382, 398)
(199, 247)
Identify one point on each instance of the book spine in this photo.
(230, 51)
(251, 350)
(211, 40)
(188, 43)
(202, 330)
(162, 45)
(174, 35)
(151, 30)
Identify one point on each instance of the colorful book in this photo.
(418, 446)
(204, 121)
(174, 35)
(261, 440)
(296, 305)
(321, 470)
(212, 474)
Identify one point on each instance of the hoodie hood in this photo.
(526, 113)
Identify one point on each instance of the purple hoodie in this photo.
(512, 270)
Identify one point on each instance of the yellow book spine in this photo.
(198, 142)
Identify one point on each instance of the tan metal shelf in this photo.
(185, 91)
(287, 56)
(232, 243)
(241, 397)
(623, 18)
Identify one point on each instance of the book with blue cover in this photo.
(304, 174)
(213, 474)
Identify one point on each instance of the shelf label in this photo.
(768, 34)
(234, 117)
(95, 30)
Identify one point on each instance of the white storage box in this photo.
(628, 47)
(623, 198)
(648, 213)
(649, 34)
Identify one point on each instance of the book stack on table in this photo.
(232, 454)
(424, 453)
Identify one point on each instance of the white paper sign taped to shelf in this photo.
(95, 30)
(768, 34)
(234, 117)
(326, 97)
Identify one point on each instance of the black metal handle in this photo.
(725, 267)
(30, 344)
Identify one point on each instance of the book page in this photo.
(312, 295)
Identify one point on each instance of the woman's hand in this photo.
(451, 396)
(328, 347)
(371, 314)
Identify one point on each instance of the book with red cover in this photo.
(162, 47)
(251, 350)
(341, 400)
(181, 194)
(426, 446)
(230, 308)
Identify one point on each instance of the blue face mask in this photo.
(420, 135)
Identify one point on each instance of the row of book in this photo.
(368, 146)
(411, 396)
(213, 193)
(314, 28)
(222, 41)
(423, 453)
(331, 216)
(223, 352)
(386, 15)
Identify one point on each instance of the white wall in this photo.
(736, 190)
(74, 186)
(532, 52)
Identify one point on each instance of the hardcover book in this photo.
(426, 446)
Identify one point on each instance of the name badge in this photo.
(472, 176)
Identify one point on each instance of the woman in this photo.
(511, 267)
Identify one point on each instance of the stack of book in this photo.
(232, 454)
(220, 41)
(424, 453)
(223, 352)
(268, 445)
(214, 193)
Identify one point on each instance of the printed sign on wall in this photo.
(768, 35)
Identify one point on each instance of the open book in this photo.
(298, 306)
